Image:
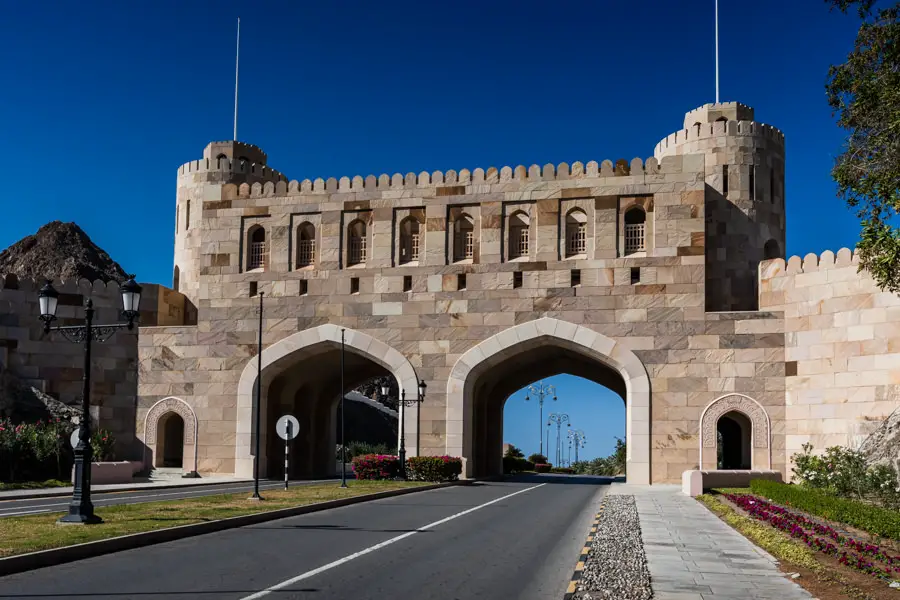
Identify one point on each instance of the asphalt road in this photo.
(34, 506)
(516, 539)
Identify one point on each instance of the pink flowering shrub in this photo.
(862, 556)
(376, 466)
(542, 468)
(34, 451)
(434, 468)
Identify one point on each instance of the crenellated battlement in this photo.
(64, 286)
(811, 263)
(702, 131)
(238, 167)
(533, 174)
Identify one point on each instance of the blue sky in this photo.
(102, 101)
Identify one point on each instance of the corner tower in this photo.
(744, 205)
(200, 186)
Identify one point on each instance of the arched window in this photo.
(187, 216)
(771, 250)
(356, 237)
(518, 235)
(256, 248)
(722, 120)
(176, 278)
(635, 221)
(306, 245)
(219, 160)
(576, 232)
(409, 240)
(177, 216)
(463, 238)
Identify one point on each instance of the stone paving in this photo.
(693, 555)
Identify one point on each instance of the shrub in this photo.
(103, 445)
(538, 458)
(355, 449)
(376, 466)
(34, 451)
(514, 452)
(543, 468)
(843, 472)
(433, 468)
(874, 519)
(516, 465)
(565, 470)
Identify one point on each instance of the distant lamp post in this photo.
(403, 402)
(541, 391)
(577, 439)
(81, 510)
(559, 419)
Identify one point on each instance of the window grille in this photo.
(576, 241)
(257, 255)
(306, 253)
(357, 250)
(519, 242)
(634, 237)
(464, 245)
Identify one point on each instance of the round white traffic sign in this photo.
(73, 439)
(282, 427)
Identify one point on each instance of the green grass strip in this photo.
(34, 485)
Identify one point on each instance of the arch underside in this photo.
(493, 382)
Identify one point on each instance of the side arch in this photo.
(293, 347)
(583, 340)
(760, 428)
(151, 429)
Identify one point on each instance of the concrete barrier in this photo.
(693, 483)
(112, 472)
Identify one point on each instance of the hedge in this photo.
(376, 466)
(873, 519)
(564, 470)
(542, 468)
(516, 465)
(434, 468)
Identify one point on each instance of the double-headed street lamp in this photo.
(81, 510)
(559, 419)
(577, 436)
(385, 393)
(541, 391)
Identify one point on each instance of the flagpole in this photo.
(237, 56)
(717, 55)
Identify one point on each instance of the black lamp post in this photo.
(81, 510)
(541, 391)
(385, 392)
(559, 419)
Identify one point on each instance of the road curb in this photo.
(57, 556)
(50, 493)
(583, 556)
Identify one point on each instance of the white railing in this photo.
(634, 238)
(257, 259)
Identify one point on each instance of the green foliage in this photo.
(376, 466)
(542, 468)
(103, 445)
(565, 470)
(512, 464)
(873, 519)
(514, 452)
(34, 451)
(612, 465)
(433, 468)
(355, 449)
(864, 92)
(538, 458)
(844, 472)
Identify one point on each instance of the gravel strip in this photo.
(616, 566)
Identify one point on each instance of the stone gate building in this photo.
(663, 280)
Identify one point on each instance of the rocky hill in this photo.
(59, 251)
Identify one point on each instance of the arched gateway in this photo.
(488, 373)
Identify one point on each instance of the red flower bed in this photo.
(542, 468)
(856, 554)
(376, 466)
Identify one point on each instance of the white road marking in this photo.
(371, 549)
(106, 502)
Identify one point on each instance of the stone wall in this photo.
(842, 348)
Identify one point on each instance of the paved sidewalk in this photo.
(694, 555)
(133, 486)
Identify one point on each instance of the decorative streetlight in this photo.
(541, 391)
(257, 428)
(576, 438)
(81, 509)
(385, 393)
(559, 419)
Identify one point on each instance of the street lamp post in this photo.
(259, 400)
(81, 509)
(403, 402)
(541, 391)
(576, 438)
(559, 419)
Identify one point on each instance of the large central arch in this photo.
(587, 344)
(308, 345)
